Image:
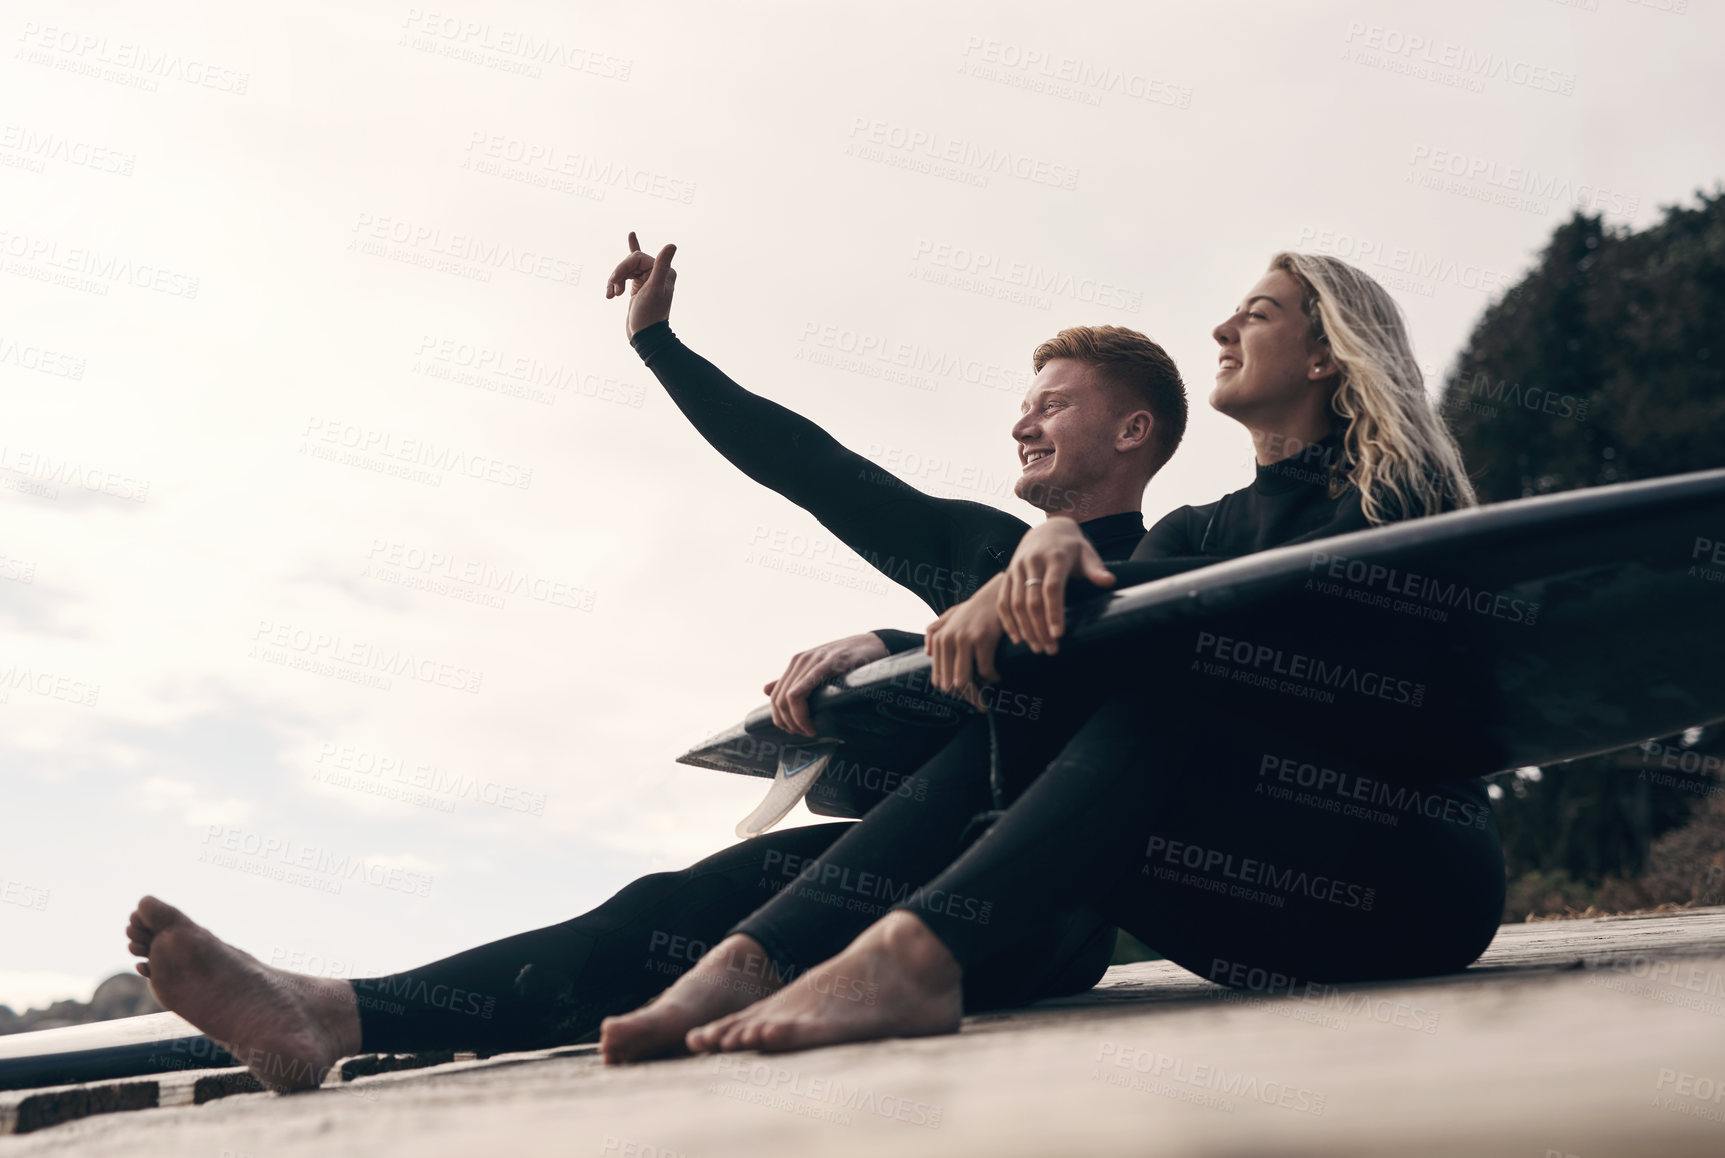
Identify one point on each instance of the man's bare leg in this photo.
(895, 980)
(287, 1028)
(735, 973)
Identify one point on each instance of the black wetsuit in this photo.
(1152, 769)
(554, 985)
(1310, 865)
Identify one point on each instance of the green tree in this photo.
(1606, 363)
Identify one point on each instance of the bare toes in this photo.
(157, 915)
(704, 1038)
(782, 1035)
(143, 968)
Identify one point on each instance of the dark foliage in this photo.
(1605, 364)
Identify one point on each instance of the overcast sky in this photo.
(306, 366)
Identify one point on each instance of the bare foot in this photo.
(734, 974)
(895, 980)
(287, 1028)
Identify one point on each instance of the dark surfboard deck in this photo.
(125, 1047)
(1519, 633)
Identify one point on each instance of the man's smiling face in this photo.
(1067, 434)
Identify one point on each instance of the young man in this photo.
(1104, 413)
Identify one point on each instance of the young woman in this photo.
(1240, 835)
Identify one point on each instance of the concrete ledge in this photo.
(1588, 1038)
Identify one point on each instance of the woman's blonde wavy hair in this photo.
(1397, 450)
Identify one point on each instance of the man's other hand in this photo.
(810, 669)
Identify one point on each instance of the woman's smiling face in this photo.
(1268, 363)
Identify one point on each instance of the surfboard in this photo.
(1514, 634)
(124, 1047)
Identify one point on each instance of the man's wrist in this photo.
(649, 340)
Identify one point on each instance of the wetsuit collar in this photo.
(1309, 467)
(1112, 526)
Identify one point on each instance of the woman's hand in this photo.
(963, 640)
(1032, 600)
(653, 278)
(810, 669)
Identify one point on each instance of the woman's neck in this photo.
(1275, 442)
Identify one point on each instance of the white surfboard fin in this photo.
(799, 768)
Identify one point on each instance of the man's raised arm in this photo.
(940, 549)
